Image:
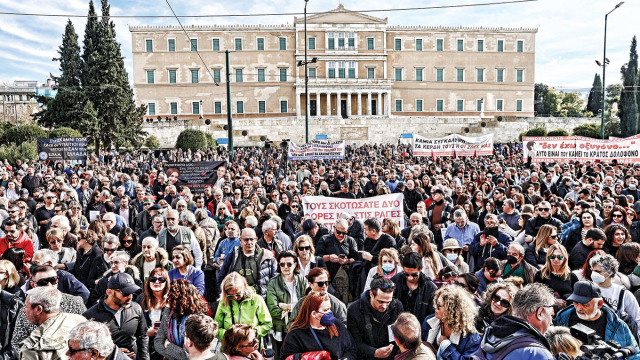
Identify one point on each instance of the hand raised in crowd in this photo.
(383, 352)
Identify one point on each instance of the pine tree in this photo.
(594, 104)
(629, 98)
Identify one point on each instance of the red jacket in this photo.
(23, 241)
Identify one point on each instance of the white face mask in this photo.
(597, 277)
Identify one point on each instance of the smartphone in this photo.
(491, 231)
(342, 256)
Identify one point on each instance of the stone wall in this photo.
(360, 130)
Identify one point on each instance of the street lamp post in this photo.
(306, 79)
(604, 67)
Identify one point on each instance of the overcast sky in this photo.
(569, 39)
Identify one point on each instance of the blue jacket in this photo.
(616, 329)
(194, 276)
(460, 348)
(480, 253)
(507, 329)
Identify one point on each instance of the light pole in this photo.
(306, 77)
(604, 67)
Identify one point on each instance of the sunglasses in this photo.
(544, 209)
(234, 296)
(107, 250)
(559, 257)
(412, 275)
(504, 303)
(127, 241)
(304, 248)
(74, 351)
(254, 343)
(554, 236)
(341, 232)
(322, 283)
(450, 275)
(617, 215)
(294, 206)
(286, 264)
(46, 281)
(160, 280)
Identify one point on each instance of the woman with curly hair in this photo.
(451, 329)
(496, 302)
(239, 304)
(616, 236)
(183, 300)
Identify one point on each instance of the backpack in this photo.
(625, 317)
(340, 284)
(502, 353)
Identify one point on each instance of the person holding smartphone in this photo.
(491, 242)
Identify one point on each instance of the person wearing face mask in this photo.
(603, 269)
(452, 250)
(316, 329)
(588, 309)
(515, 265)
(388, 266)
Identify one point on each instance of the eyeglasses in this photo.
(170, 218)
(253, 343)
(322, 283)
(559, 257)
(249, 239)
(74, 351)
(544, 209)
(55, 241)
(304, 248)
(502, 302)
(159, 279)
(286, 264)
(341, 232)
(115, 262)
(48, 280)
(412, 275)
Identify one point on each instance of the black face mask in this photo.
(511, 259)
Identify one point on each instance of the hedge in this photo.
(192, 139)
(64, 132)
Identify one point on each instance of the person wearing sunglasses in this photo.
(318, 280)
(533, 225)
(496, 302)
(283, 292)
(15, 237)
(378, 306)
(45, 275)
(55, 238)
(413, 288)
(303, 247)
(338, 249)
(556, 273)
(451, 329)
(239, 303)
(240, 342)
(153, 300)
(536, 251)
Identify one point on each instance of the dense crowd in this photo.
(114, 258)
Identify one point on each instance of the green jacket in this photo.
(252, 311)
(278, 292)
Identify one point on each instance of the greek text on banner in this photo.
(578, 148)
(317, 150)
(327, 210)
(453, 144)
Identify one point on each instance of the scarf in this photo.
(176, 330)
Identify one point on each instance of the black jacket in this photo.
(329, 245)
(132, 332)
(534, 224)
(423, 306)
(89, 266)
(10, 307)
(133, 215)
(369, 327)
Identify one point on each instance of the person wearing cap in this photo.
(588, 309)
(452, 250)
(124, 317)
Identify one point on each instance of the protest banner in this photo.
(317, 150)
(453, 144)
(195, 175)
(578, 148)
(327, 210)
(60, 149)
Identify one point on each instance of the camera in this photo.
(595, 348)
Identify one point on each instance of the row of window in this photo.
(217, 107)
(339, 42)
(195, 75)
(459, 105)
(341, 70)
(460, 75)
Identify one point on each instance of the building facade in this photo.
(365, 68)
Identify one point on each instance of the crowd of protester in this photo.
(115, 259)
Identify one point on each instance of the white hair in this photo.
(46, 296)
(93, 335)
(121, 256)
(48, 256)
(61, 221)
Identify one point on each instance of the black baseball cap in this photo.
(584, 291)
(123, 282)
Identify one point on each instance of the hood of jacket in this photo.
(506, 329)
(162, 258)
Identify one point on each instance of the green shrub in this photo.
(13, 152)
(524, 133)
(558, 132)
(24, 133)
(587, 130)
(191, 139)
(537, 132)
(64, 132)
(211, 142)
(152, 142)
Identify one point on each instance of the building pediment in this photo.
(340, 15)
